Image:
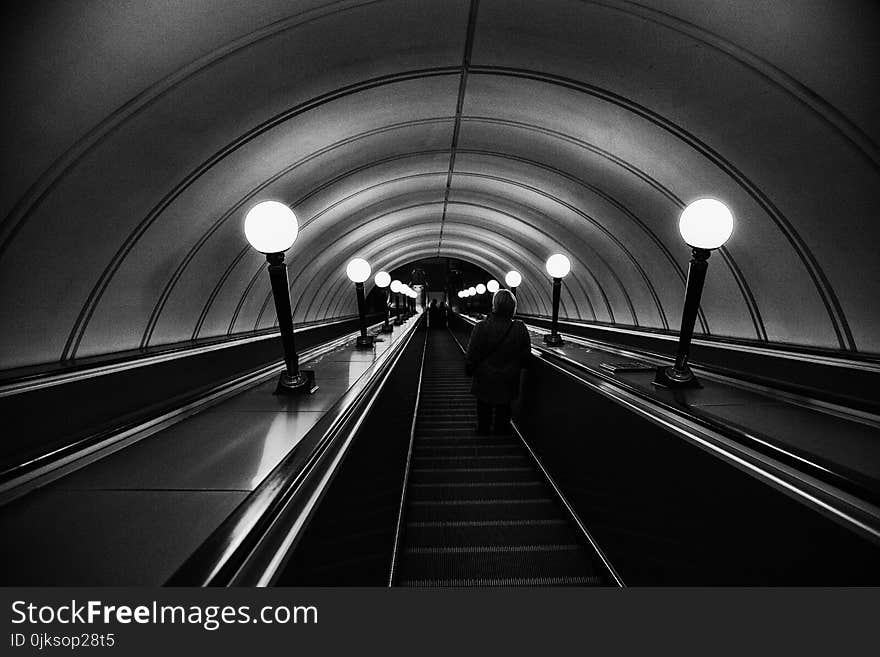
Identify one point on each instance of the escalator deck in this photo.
(478, 510)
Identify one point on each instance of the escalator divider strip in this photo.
(569, 509)
(412, 436)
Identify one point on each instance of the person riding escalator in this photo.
(498, 350)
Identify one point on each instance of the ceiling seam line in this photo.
(820, 280)
(78, 331)
(301, 200)
(459, 106)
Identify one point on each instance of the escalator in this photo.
(477, 510)
(420, 500)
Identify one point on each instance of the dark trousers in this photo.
(484, 417)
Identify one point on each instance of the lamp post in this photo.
(558, 267)
(395, 290)
(513, 280)
(358, 271)
(382, 281)
(271, 228)
(705, 224)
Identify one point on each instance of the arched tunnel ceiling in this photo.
(137, 135)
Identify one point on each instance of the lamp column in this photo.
(281, 294)
(358, 271)
(558, 267)
(705, 224)
(271, 228)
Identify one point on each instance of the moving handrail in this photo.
(398, 531)
(252, 545)
(844, 496)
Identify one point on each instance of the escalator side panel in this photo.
(349, 540)
(667, 512)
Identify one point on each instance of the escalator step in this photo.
(455, 475)
(498, 460)
(476, 490)
(474, 449)
(489, 532)
(482, 509)
(523, 562)
(505, 581)
(478, 513)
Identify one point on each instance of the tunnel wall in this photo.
(135, 137)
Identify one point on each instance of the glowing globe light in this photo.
(706, 224)
(513, 279)
(382, 279)
(481, 289)
(271, 227)
(358, 270)
(493, 286)
(558, 265)
(396, 286)
(472, 291)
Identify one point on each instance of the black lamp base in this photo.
(386, 328)
(554, 340)
(301, 384)
(669, 377)
(364, 342)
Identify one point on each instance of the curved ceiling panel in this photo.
(137, 137)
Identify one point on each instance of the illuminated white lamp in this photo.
(558, 265)
(358, 270)
(706, 224)
(271, 227)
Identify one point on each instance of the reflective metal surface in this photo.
(108, 537)
(133, 517)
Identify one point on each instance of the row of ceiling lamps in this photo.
(271, 228)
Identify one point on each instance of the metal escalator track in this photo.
(477, 510)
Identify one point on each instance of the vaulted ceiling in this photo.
(137, 134)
